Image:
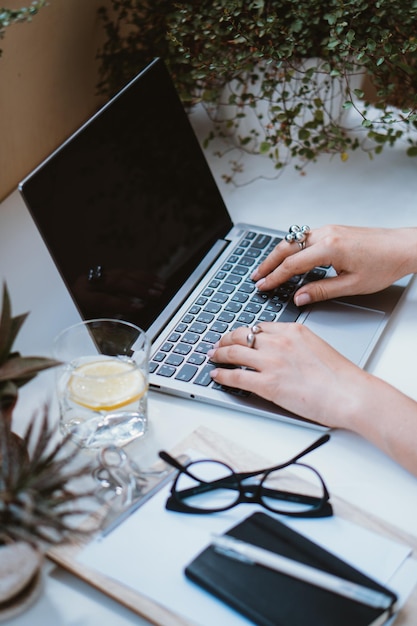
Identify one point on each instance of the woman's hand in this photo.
(366, 260)
(292, 367)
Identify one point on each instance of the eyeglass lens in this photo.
(290, 491)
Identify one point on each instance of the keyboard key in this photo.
(196, 359)
(273, 306)
(225, 316)
(200, 302)
(166, 370)
(211, 337)
(267, 316)
(219, 327)
(174, 337)
(153, 367)
(261, 241)
(212, 307)
(204, 378)
(234, 307)
(246, 318)
(290, 313)
(252, 253)
(247, 287)
(187, 319)
(190, 337)
(233, 279)
(198, 327)
(167, 346)
(203, 348)
(221, 298)
(159, 356)
(240, 270)
(240, 297)
(247, 261)
(315, 274)
(259, 297)
(194, 310)
(174, 359)
(187, 372)
(252, 307)
(205, 318)
(226, 288)
(182, 348)
(181, 327)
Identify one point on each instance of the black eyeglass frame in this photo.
(251, 493)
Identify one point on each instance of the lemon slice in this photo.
(106, 384)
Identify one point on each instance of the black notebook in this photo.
(269, 598)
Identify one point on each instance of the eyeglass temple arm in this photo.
(175, 463)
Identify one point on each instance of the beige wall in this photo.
(48, 77)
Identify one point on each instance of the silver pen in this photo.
(248, 553)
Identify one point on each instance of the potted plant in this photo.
(256, 56)
(39, 489)
(24, 14)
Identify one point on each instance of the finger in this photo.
(294, 265)
(246, 379)
(275, 258)
(325, 289)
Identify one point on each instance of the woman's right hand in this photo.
(366, 260)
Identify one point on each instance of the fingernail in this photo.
(302, 299)
(260, 283)
(211, 352)
(254, 275)
(214, 372)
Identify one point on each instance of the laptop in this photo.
(138, 229)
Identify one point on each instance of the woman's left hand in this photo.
(292, 367)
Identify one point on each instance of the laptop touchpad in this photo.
(349, 329)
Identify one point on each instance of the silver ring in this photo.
(251, 336)
(298, 234)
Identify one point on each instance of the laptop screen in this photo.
(127, 205)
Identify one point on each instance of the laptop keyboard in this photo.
(227, 301)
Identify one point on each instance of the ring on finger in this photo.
(298, 234)
(251, 336)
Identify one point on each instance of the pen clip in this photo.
(229, 551)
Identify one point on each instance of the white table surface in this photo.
(360, 191)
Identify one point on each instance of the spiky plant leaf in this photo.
(38, 500)
(15, 370)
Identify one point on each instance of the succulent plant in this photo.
(41, 490)
(15, 370)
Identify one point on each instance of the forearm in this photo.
(407, 251)
(387, 418)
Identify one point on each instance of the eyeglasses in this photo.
(209, 486)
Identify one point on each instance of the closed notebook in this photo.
(269, 598)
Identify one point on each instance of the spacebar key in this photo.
(186, 372)
(204, 378)
(290, 314)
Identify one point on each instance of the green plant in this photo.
(36, 501)
(15, 370)
(252, 55)
(11, 16)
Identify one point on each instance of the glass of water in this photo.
(102, 383)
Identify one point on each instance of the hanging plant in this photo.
(252, 57)
(11, 16)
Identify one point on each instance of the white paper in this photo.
(150, 550)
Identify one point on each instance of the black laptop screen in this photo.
(128, 206)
